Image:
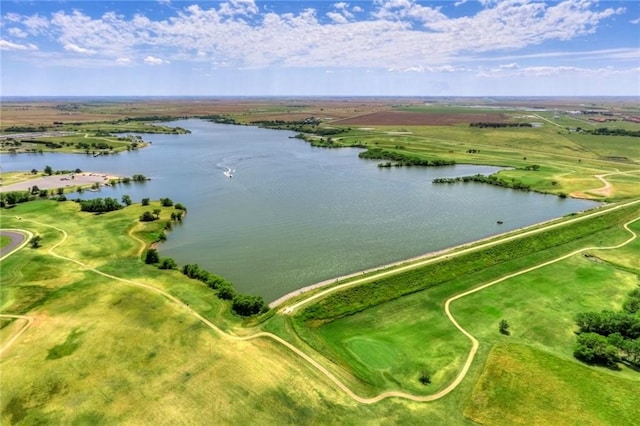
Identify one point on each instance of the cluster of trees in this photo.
(152, 257)
(605, 131)
(148, 216)
(241, 304)
(401, 159)
(222, 119)
(484, 124)
(99, 205)
(309, 125)
(491, 180)
(607, 338)
(12, 198)
(26, 129)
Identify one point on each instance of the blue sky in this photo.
(320, 48)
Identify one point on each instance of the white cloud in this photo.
(7, 45)
(398, 33)
(77, 49)
(17, 32)
(620, 54)
(635, 21)
(123, 60)
(152, 60)
(513, 70)
(337, 17)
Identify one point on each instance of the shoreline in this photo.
(64, 180)
(432, 254)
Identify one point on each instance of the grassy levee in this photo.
(547, 243)
(386, 346)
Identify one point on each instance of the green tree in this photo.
(36, 241)
(168, 263)
(246, 305)
(425, 378)
(156, 213)
(48, 170)
(126, 200)
(226, 291)
(166, 202)
(147, 217)
(504, 327)
(145, 202)
(593, 348)
(151, 257)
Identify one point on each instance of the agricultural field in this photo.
(485, 333)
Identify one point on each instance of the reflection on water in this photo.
(293, 215)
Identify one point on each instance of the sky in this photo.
(320, 48)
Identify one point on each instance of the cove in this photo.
(293, 215)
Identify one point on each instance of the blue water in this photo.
(293, 215)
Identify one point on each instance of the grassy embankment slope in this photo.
(102, 350)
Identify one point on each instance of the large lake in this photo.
(293, 215)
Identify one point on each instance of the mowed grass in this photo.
(522, 385)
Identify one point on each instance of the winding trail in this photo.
(339, 384)
(606, 190)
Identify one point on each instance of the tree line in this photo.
(605, 131)
(485, 124)
(241, 304)
(607, 337)
(491, 180)
(401, 159)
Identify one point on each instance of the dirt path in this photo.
(339, 384)
(606, 190)
(28, 321)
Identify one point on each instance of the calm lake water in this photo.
(293, 215)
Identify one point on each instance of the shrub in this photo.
(247, 305)
(168, 263)
(151, 257)
(147, 217)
